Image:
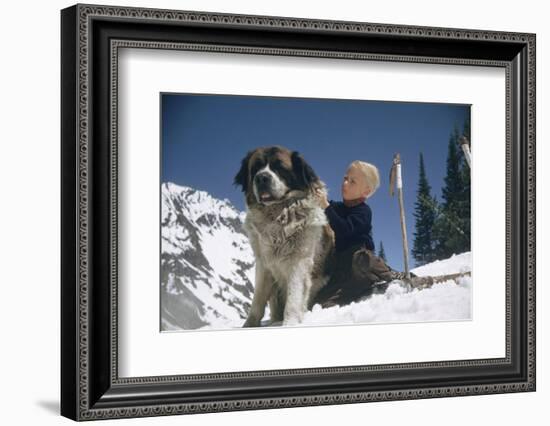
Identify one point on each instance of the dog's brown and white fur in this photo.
(288, 231)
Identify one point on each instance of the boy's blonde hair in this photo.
(370, 171)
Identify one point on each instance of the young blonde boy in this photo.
(355, 267)
(351, 219)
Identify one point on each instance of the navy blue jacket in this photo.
(351, 225)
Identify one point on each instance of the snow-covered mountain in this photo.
(207, 264)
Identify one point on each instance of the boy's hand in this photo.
(322, 198)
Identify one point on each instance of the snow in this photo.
(215, 244)
(446, 301)
(449, 300)
(454, 264)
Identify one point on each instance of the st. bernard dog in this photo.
(288, 232)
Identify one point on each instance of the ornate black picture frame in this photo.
(90, 385)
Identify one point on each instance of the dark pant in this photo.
(353, 272)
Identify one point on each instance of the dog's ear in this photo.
(241, 178)
(303, 170)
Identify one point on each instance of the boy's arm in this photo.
(355, 222)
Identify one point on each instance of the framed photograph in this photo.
(216, 228)
(265, 212)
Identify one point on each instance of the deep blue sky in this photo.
(205, 137)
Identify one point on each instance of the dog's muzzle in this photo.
(264, 187)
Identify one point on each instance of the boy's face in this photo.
(354, 184)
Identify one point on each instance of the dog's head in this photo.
(272, 174)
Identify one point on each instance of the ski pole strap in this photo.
(399, 181)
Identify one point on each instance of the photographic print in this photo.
(313, 212)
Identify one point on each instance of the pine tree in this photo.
(381, 252)
(451, 232)
(425, 213)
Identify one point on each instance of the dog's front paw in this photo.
(251, 321)
(290, 321)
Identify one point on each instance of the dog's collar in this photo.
(291, 197)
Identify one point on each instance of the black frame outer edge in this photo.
(104, 394)
(69, 280)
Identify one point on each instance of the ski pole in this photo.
(465, 144)
(395, 178)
